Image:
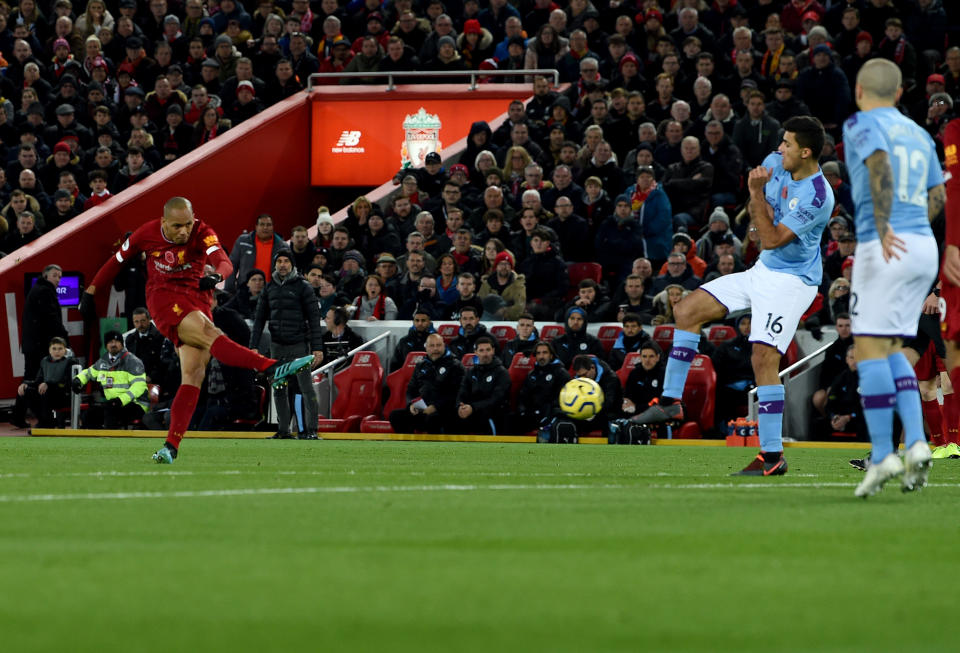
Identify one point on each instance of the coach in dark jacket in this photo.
(484, 393)
(290, 305)
(436, 382)
(576, 340)
(42, 319)
(537, 403)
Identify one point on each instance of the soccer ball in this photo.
(581, 398)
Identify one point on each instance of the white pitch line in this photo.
(347, 489)
(767, 486)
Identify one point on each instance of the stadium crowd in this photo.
(638, 166)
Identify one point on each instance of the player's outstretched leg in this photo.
(282, 370)
(669, 408)
(231, 353)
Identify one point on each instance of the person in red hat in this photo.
(791, 18)
(246, 105)
(936, 83)
(503, 281)
(475, 44)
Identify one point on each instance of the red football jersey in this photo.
(168, 265)
(951, 144)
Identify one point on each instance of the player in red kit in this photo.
(950, 270)
(184, 262)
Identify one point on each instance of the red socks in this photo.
(181, 411)
(934, 419)
(230, 353)
(951, 417)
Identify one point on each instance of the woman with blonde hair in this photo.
(665, 301)
(516, 160)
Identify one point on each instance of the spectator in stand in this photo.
(374, 304)
(467, 256)
(470, 331)
(26, 231)
(431, 394)
(664, 303)
(718, 227)
(254, 249)
(245, 297)
(524, 342)
(209, 126)
(651, 206)
(645, 381)
(785, 104)
(592, 298)
(825, 89)
(688, 184)
(545, 273)
(631, 339)
(678, 273)
(484, 393)
(834, 362)
(756, 134)
(575, 339)
(538, 403)
(572, 230)
(618, 240)
(146, 343)
(416, 338)
(506, 283)
(48, 390)
(843, 407)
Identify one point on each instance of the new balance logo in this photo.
(348, 142)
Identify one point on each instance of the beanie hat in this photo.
(719, 215)
(285, 253)
(503, 256)
(324, 218)
(62, 146)
(354, 255)
(223, 38)
(446, 39)
(111, 335)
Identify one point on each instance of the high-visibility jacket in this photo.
(124, 379)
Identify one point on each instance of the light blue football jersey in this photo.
(913, 158)
(804, 207)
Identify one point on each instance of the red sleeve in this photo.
(110, 269)
(214, 251)
(951, 143)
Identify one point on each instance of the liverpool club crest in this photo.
(421, 137)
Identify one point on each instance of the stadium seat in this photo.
(663, 336)
(699, 396)
(248, 424)
(397, 382)
(551, 331)
(468, 361)
(629, 362)
(577, 272)
(504, 333)
(519, 368)
(720, 333)
(359, 387)
(607, 335)
(448, 332)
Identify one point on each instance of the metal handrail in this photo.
(75, 399)
(472, 74)
(327, 369)
(752, 394)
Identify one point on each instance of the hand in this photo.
(628, 406)
(42, 388)
(210, 281)
(758, 178)
(620, 314)
(414, 410)
(317, 359)
(951, 264)
(581, 301)
(88, 307)
(76, 385)
(371, 319)
(465, 411)
(430, 410)
(839, 422)
(891, 243)
(21, 389)
(931, 305)
(115, 403)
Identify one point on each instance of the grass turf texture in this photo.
(257, 545)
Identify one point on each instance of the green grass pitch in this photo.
(373, 546)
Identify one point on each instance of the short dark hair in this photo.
(633, 318)
(587, 283)
(652, 344)
(482, 339)
(57, 340)
(469, 308)
(583, 362)
(808, 132)
(97, 174)
(141, 310)
(841, 316)
(526, 316)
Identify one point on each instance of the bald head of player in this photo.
(177, 221)
(879, 84)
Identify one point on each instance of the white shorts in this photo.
(886, 298)
(776, 301)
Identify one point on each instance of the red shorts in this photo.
(930, 365)
(949, 311)
(169, 307)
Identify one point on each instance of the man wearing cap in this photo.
(718, 226)
(447, 59)
(289, 305)
(145, 69)
(62, 160)
(210, 75)
(66, 122)
(121, 393)
(246, 105)
(226, 55)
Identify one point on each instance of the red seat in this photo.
(519, 368)
(629, 362)
(448, 332)
(608, 334)
(504, 333)
(551, 331)
(699, 397)
(397, 382)
(359, 388)
(791, 356)
(577, 272)
(251, 423)
(468, 361)
(663, 336)
(720, 333)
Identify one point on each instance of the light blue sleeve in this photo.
(934, 173)
(804, 218)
